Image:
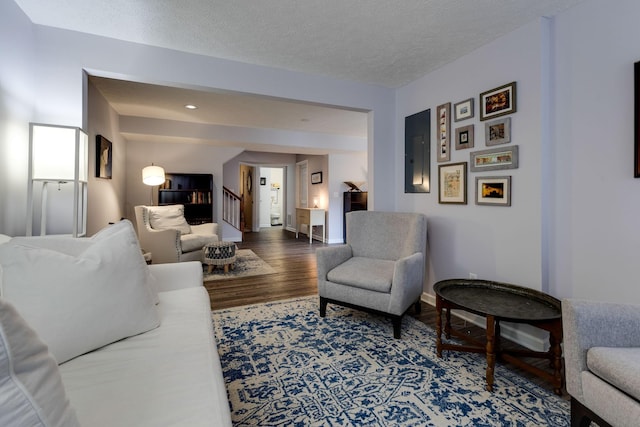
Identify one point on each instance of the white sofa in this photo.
(165, 233)
(128, 344)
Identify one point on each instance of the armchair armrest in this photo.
(170, 277)
(330, 257)
(409, 271)
(206, 228)
(588, 324)
(164, 245)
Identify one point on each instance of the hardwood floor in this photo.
(295, 264)
(293, 259)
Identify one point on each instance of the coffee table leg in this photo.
(226, 268)
(209, 268)
(491, 354)
(438, 326)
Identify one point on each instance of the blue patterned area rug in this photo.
(284, 365)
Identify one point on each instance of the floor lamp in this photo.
(58, 155)
(152, 175)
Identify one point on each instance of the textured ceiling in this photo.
(384, 42)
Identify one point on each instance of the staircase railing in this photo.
(232, 208)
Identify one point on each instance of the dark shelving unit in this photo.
(352, 201)
(194, 191)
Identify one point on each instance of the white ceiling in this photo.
(383, 42)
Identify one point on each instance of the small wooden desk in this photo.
(311, 217)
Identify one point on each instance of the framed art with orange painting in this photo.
(498, 102)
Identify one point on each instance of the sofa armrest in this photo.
(588, 324)
(409, 271)
(330, 257)
(170, 277)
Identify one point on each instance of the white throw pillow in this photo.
(79, 303)
(168, 217)
(76, 246)
(31, 389)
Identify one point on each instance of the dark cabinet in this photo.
(352, 201)
(194, 191)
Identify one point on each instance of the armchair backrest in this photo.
(386, 235)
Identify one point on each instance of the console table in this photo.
(311, 217)
(501, 302)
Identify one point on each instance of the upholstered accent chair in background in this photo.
(602, 362)
(380, 268)
(164, 231)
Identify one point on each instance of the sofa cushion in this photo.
(75, 246)
(97, 297)
(31, 390)
(168, 217)
(366, 273)
(619, 366)
(170, 376)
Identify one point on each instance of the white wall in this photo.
(17, 89)
(495, 243)
(231, 178)
(271, 200)
(572, 229)
(174, 158)
(106, 199)
(595, 234)
(342, 167)
(56, 75)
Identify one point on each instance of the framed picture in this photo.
(104, 156)
(463, 110)
(498, 102)
(316, 178)
(263, 180)
(464, 137)
(497, 131)
(494, 159)
(443, 112)
(453, 183)
(493, 190)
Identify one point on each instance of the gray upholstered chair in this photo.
(379, 269)
(163, 231)
(602, 362)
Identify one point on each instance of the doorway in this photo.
(272, 196)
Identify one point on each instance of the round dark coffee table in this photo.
(501, 302)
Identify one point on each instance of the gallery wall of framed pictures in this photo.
(492, 145)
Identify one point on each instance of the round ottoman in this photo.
(219, 253)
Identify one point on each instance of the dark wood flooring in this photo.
(295, 264)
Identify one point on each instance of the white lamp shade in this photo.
(153, 175)
(55, 150)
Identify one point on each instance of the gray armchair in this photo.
(602, 362)
(380, 268)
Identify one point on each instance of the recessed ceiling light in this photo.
(190, 107)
